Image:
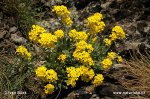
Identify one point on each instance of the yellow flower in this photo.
(84, 57)
(83, 69)
(94, 40)
(87, 76)
(98, 79)
(118, 31)
(59, 34)
(51, 75)
(82, 46)
(119, 59)
(78, 36)
(106, 63)
(113, 36)
(95, 23)
(62, 57)
(72, 82)
(23, 52)
(41, 72)
(35, 32)
(49, 89)
(47, 40)
(63, 12)
(73, 75)
(111, 55)
(82, 53)
(67, 20)
(89, 48)
(107, 42)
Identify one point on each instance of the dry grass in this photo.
(135, 75)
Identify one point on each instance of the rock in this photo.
(44, 24)
(2, 33)
(109, 89)
(13, 29)
(17, 39)
(50, 24)
(91, 8)
(82, 93)
(51, 2)
(105, 5)
(146, 29)
(95, 96)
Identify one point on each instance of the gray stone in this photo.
(17, 39)
(105, 5)
(13, 29)
(146, 29)
(2, 33)
(50, 25)
(95, 96)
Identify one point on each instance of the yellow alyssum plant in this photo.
(49, 89)
(62, 57)
(41, 72)
(95, 23)
(98, 79)
(71, 55)
(35, 32)
(23, 52)
(77, 36)
(116, 33)
(63, 13)
(59, 34)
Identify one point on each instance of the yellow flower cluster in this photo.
(63, 12)
(119, 59)
(111, 55)
(47, 40)
(62, 57)
(59, 34)
(106, 63)
(77, 36)
(51, 76)
(23, 52)
(94, 40)
(35, 32)
(84, 46)
(41, 72)
(95, 23)
(98, 79)
(87, 74)
(116, 33)
(39, 35)
(44, 74)
(82, 53)
(74, 74)
(48, 76)
(84, 57)
(107, 41)
(49, 89)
